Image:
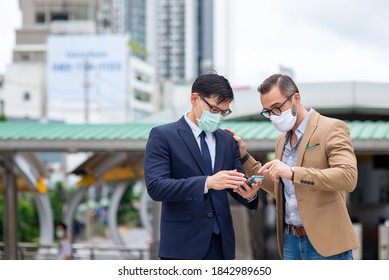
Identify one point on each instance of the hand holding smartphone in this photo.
(254, 179)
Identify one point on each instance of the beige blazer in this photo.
(326, 169)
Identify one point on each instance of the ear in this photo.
(193, 98)
(297, 103)
(296, 97)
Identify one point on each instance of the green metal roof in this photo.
(369, 130)
(51, 131)
(133, 131)
(133, 136)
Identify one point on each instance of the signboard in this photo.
(87, 78)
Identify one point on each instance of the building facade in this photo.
(184, 38)
(25, 81)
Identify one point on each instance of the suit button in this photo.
(312, 183)
(302, 181)
(210, 215)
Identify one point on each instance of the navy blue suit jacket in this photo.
(175, 175)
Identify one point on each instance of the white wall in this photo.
(22, 78)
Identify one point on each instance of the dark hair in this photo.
(64, 226)
(284, 83)
(212, 84)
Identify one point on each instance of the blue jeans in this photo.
(300, 248)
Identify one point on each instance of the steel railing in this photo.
(35, 251)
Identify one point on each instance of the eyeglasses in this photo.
(276, 110)
(216, 110)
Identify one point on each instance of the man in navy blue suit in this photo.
(191, 165)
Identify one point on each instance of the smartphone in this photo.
(254, 179)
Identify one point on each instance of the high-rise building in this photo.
(176, 35)
(41, 18)
(206, 36)
(120, 16)
(184, 38)
(137, 21)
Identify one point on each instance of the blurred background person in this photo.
(64, 245)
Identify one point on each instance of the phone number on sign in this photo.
(232, 270)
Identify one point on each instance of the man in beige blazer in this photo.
(315, 166)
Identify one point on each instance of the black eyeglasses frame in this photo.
(266, 113)
(217, 110)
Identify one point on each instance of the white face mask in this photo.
(285, 121)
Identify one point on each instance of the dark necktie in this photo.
(209, 170)
(206, 155)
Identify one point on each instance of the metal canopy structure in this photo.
(118, 168)
(368, 136)
(22, 171)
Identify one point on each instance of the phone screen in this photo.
(254, 179)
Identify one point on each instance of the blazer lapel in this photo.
(309, 130)
(278, 190)
(280, 146)
(219, 152)
(187, 135)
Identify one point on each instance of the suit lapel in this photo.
(219, 152)
(309, 130)
(278, 190)
(187, 135)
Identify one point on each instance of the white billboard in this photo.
(87, 78)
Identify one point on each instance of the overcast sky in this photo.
(322, 40)
(10, 19)
(325, 40)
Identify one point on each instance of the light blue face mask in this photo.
(209, 122)
(59, 233)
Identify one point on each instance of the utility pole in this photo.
(86, 86)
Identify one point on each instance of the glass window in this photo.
(59, 16)
(142, 95)
(40, 17)
(26, 96)
(142, 77)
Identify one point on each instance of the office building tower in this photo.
(184, 44)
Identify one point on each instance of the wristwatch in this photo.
(245, 158)
(292, 169)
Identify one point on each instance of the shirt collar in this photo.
(303, 125)
(195, 129)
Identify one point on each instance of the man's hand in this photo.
(241, 144)
(225, 179)
(276, 169)
(249, 192)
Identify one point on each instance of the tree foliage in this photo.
(28, 220)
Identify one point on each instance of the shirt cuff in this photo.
(205, 187)
(251, 199)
